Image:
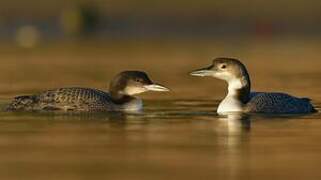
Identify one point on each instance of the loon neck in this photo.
(120, 98)
(238, 95)
(239, 89)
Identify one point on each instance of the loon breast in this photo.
(68, 99)
(277, 103)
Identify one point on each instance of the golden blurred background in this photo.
(47, 44)
(109, 18)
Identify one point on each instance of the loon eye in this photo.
(223, 66)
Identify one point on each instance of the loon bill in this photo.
(119, 98)
(240, 98)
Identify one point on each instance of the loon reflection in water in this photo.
(119, 98)
(240, 98)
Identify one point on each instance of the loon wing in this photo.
(261, 102)
(80, 99)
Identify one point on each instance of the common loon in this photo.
(240, 98)
(119, 98)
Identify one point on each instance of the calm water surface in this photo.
(179, 135)
(181, 139)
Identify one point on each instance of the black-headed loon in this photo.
(119, 98)
(240, 98)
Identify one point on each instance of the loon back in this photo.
(23, 103)
(277, 103)
(80, 99)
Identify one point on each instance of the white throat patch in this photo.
(235, 84)
(132, 90)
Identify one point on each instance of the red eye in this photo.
(223, 66)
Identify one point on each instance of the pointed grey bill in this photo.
(156, 87)
(202, 72)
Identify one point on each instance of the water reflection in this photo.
(236, 122)
(63, 116)
(235, 127)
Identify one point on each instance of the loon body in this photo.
(240, 98)
(119, 98)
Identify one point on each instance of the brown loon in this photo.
(119, 98)
(240, 98)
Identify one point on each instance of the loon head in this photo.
(128, 83)
(228, 69)
(233, 72)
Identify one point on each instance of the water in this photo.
(181, 139)
(179, 135)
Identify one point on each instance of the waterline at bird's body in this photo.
(240, 98)
(119, 98)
